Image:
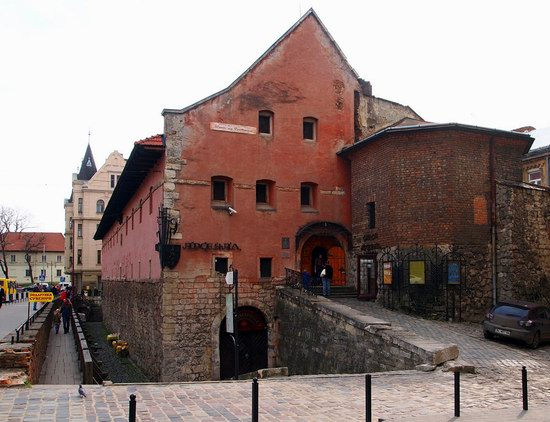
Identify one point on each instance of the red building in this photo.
(248, 178)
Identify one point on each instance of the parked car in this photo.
(524, 321)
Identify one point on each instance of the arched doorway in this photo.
(252, 344)
(319, 249)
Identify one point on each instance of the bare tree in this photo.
(11, 221)
(32, 243)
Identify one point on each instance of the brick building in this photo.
(424, 214)
(247, 178)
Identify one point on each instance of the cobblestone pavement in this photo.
(486, 355)
(397, 396)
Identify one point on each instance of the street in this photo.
(12, 315)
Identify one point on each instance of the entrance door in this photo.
(367, 286)
(337, 260)
(252, 344)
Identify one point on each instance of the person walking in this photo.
(66, 308)
(326, 278)
(57, 320)
(2, 296)
(35, 289)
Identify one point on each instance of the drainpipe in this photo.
(546, 171)
(492, 181)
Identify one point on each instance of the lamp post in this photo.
(236, 321)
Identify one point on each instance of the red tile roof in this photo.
(152, 140)
(53, 242)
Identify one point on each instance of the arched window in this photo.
(100, 206)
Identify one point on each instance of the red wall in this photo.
(294, 81)
(135, 258)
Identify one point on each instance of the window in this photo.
(310, 128)
(79, 230)
(12, 258)
(80, 205)
(114, 180)
(132, 219)
(535, 176)
(221, 264)
(43, 273)
(221, 190)
(71, 223)
(265, 267)
(264, 194)
(71, 261)
(307, 196)
(58, 258)
(58, 273)
(100, 206)
(99, 257)
(79, 256)
(70, 242)
(43, 258)
(140, 210)
(371, 210)
(27, 273)
(151, 200)
(265, 122)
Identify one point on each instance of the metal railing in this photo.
(19, 331)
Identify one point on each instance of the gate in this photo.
(429, 282)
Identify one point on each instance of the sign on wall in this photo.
(388, 273)
(227, 127)
(40, 296)
(453, 273)
(417, 272)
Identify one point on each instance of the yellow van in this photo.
(10, 288)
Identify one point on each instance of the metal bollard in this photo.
(255, 400)
(132, 415)
(524, 388)
(368, 398)
(457, 394)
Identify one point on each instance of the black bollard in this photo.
(368, 398)
(132, 416)
(457, 394)
(524, 388)
(255, 400)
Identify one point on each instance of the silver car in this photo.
(525, 321)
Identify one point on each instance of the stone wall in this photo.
(523, 251)
(318, 336)
(133, 308)
(29, 353)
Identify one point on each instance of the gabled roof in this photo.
(423, 126)
(309, 13)
(143, 158)
(50, 242)
(87, 168)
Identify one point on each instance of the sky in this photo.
(70, 68)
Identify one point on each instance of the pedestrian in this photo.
(35, 289)
(326, 278)
(2, 296)
(57, 320)
(66, 309)
(306, 280)
(319, 261)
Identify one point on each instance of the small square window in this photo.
(221, 264)
(58, 273)
(535, 177)
(265, 267)
(218, 190)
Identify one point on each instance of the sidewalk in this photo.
(61, 366)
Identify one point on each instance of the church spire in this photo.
(87, 168)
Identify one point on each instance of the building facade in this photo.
(425, 227)
(90, 194)
(535, 166)
(45, 252)
(247, 179)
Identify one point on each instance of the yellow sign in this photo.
(40, 296)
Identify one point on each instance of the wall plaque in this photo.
(227, 127)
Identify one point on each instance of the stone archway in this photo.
(253, 343)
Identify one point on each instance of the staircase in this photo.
(336, 291)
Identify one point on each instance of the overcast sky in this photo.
(112, 66)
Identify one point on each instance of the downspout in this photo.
(546, 171)
(492, 181)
